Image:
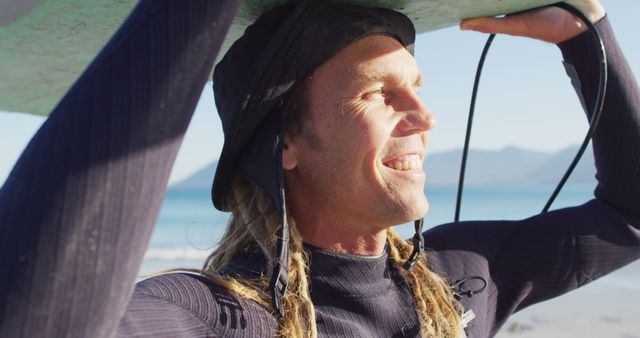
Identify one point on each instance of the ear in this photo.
(289, 160)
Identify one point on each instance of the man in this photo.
(324, 134)
(351, 168)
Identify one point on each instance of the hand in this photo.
(551, 24)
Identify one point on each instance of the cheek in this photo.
(371, 141)
(355, 135)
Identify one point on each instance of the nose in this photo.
(416, 117)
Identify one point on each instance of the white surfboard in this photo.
(45, 45)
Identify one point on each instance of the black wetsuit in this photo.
(78, 209)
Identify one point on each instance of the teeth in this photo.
(405, 163)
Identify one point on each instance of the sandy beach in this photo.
(607, 308)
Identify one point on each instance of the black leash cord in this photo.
(465, 150)
(593, 123)
(597, 109)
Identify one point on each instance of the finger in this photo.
(512, 25)
(592, 9)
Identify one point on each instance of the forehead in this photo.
(372, 58)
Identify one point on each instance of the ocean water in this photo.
(189, 227)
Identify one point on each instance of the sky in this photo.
(525, 98)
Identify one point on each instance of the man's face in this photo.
(360, 160)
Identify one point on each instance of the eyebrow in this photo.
(382, 77)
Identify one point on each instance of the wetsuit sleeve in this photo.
(187, 305)
(80, 204)
(532, 260)
(616, 142)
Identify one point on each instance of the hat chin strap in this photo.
(418, 246)
(280, 274)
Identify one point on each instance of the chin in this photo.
(414, 209)
(420, 210)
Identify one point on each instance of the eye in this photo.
(375, 94)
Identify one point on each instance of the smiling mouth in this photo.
(404, 163)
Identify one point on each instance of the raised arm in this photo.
(79, 207)
(532, 260)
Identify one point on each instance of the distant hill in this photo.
(200, 180)
(555, 166)
(509, 166)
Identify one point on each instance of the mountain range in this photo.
(511, 166)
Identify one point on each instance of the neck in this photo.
(327, 227)
(343, 238)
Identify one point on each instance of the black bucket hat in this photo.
(282, 47)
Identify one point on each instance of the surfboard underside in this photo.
(45, 45)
